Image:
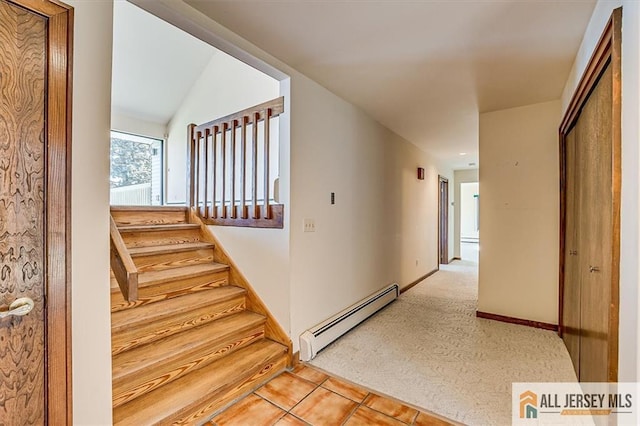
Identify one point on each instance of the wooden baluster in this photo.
(234, 124)
(197, 173)
(255, 213)
(223, 154)
(201, 177)
(206, 174)
(243, 167)
(214, 144)
(267, 119)
(191, 160)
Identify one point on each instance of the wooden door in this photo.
(590, 158)
(443, 220)
(595, 229)
(34, 190)
(571, 296)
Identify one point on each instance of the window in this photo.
(136, 170)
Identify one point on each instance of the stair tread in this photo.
(140, 358)
(195, 388)
(168, 248)
(170, 307)
(153, 277)
(158, 227)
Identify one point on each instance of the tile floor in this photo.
(308, 396)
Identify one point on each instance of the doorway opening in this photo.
(443, 220)
(469, 220)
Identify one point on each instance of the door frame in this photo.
(57, 220)
(607, 52)
(443, 221)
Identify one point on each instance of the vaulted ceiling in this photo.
(154, 64)
(424, 69)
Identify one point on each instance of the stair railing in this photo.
(122, 265)
(223, 185)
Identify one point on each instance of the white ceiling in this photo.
(425, 69)
(154, 64)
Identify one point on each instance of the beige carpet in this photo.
(429, 349)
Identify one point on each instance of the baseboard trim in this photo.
(518, 321)
(418, 281)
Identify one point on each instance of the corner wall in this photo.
(519, 208)
(628, 353)
(91, 310)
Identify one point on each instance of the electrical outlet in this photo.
(309, 225)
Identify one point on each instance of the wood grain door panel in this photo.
(35, 141)
(22, 180)
(571, 289)
(596, 206)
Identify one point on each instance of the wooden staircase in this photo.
(197, 336)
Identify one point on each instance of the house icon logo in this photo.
(528, 405)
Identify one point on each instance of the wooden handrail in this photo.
(122, 265)
(276, 106)
(218, 169)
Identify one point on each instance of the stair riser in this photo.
(158, 262)
(131, 218)
(206, 410)
(168, 290)
(131, 386)
(121, 342)
(159, 238)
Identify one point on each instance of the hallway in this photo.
(469, 252)
(429, 349)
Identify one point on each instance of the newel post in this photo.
(191, 169)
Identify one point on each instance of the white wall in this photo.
(519, 207)
(629, 356)
(469, 210)
(225, 86)
(460, 176)
(135, 126)
(91, 316)
(383, 227)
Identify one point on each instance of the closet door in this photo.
(571, 288)
(590, 148)
(595, 255)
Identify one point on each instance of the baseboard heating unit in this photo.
(318, 337)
